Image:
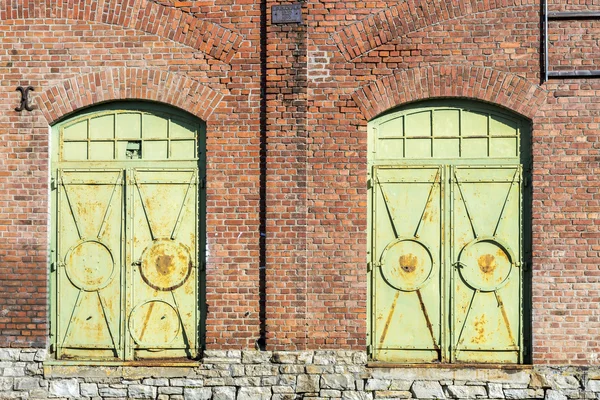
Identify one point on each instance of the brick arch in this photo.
(485, 84)
(123, 84)
(144, 15)
(409, 16)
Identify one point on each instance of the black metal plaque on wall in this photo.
(286, 13)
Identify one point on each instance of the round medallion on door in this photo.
(485, 264)
(407, 264)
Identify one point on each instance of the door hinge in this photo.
(525, 181)
(369, 183)
(369, 349)
(371, 265)
(53, 184)
(202, 182)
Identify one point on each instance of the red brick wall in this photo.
(109, 50)
(324, 80)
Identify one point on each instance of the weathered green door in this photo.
(125, 251)
(446, 234)
(163, 247)
(486, 254)
(89, 255)
(408, 214)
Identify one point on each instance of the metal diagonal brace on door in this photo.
(387, 207)
(462, 196)
(512, 183)
(178, 221)
(62, 182)
(137, 185)
(435, 182)
(108, 324)
(109, 206)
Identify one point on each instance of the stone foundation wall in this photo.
(254, 375)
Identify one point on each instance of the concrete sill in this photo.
(113, 369)
(379, 364)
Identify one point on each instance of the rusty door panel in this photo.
(486, 253)
(406, 323)
(89, 258)
(162, 311)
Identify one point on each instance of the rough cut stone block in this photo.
(6, 384)
(284, 357)
(247, 381)
(563, 382)
(427, 390)
(349, 395)
(170, 390)
(89, 389)
(554, 395)
(224, 393)
(378, 384)
(234, 354)
(14, 371)
(285, 397)
(156, 382)
(261, 370)
(495, 391)
(307, 384)
(400, 385)
(237, 370)
(142, 392)
(9, 354)
(393, 394)
(324, 358)
(27, 383)
(337, 381)
(214, 382)
(320, 369)
(329, 393)
(112, 392)
(256, 357)
(40, 355)
(359, 358)
(254, 393)
(13, 395)
(268, 381)
(292, 369)
(467, 392)
(286, 380)
(283, 389)
(67, 388)
(305, 357)
(593, 385)
(197, 393)
(215, 353)
(520, 394)
(26, 356)
(187, 382)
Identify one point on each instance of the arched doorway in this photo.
(127, 219)
(447, 234)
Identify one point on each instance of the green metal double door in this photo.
(445, 263)
(126, 269)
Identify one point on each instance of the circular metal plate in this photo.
(485, 264)
(406, 264)
(89, 265)
(166, 264)
(154, 323)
